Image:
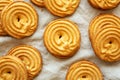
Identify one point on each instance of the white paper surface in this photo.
(56, 69)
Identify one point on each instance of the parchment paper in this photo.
(56, 69)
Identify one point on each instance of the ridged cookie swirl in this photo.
(84, 70)
(107, 43)
(62, 38)
(104, 34)
(11, 68)
(21, 19)
(38, 2)
(3, 3)
(101, 21)
(104, 4)
(61, 8)
(30, 56)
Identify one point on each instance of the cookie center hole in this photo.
(18, 19)
(9, 72)
(110, 42)
(60, 36)
(84, 77)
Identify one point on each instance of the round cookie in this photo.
(3, 3)
(104, 36)
(38, 2)
(30, 56)
(21, 19)
(62, 8)
(84, 70)
(104, 4)
(62, 38)
(107, 43)
(11, 68)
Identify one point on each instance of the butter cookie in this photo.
(12, 68)
(62, 8)
(84, 70)
(30, 56)
(3, 4)
(21, 19)
(104, 32)
(62, 38)
(104, 4)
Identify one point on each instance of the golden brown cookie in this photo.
(30, 56)
(104, 34)
(3, 3)
(38, 2)
(21, 19)
(104, 4)
(107, 43)
(62, 38)
(12, 68)
(84, 70)
(62, 8)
